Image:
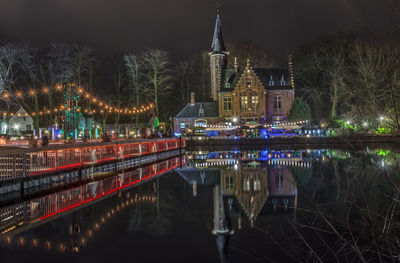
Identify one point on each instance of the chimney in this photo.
(192, 101)
(235, 65)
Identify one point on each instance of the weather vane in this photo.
(218, 5)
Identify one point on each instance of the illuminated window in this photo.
(227, 103)
(277, 102)
(246, 184)
(229, 182)
(243, 102)
(182, 125)
(257, 185)
(200, 123)
(254, 102)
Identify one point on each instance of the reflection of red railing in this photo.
(50, 205)
(22, 162)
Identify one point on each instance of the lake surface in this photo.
(264, 205)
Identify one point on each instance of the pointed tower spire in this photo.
(218, 60)
(218, 44)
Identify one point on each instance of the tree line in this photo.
(346, 79)
(121, 79)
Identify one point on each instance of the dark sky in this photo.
(185, 26)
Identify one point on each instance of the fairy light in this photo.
(103, 107)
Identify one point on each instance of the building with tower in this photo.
(239, 95)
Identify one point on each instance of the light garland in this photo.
(104, 107)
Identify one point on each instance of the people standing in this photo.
(45, 142)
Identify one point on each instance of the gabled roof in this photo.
(218, 44)
(231, 78)
(266, 75)
(193, 110)
(20, 114)
(207, 176)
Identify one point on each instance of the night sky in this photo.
(185, 26)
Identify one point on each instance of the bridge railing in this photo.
(21, 162)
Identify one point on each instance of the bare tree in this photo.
(117, 77)
(134, 76)
(157, 73)
(183, 72)
(259, 57)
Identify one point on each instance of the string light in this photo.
(103, 106)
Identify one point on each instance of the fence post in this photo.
(55, 160)
(116, 157)
(24, 174)
(80, 155)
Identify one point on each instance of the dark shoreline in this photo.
(300, 142)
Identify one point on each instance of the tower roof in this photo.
(218, 44)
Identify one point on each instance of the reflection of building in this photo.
(248, 94)
(249, 185)
(282, 186)
(246, 186)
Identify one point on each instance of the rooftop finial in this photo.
(217, 6)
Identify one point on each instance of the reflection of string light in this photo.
(35, 242)
(62, 248)
(21, 241)
(47, 245)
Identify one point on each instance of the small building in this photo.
(195, 115)
(20, 123)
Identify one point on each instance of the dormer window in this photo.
(201, 110)
(271, 81)
(283, 81)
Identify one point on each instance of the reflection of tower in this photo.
(218, 59)
(221, 229)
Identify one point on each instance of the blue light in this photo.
(177, 134)
(264, 153)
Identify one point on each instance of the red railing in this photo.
(60, 202)
(17, 163)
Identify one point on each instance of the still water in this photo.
(303, 205)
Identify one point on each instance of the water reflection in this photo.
(243, 182)
(220, 206)
(246, 183)
(24, 214)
